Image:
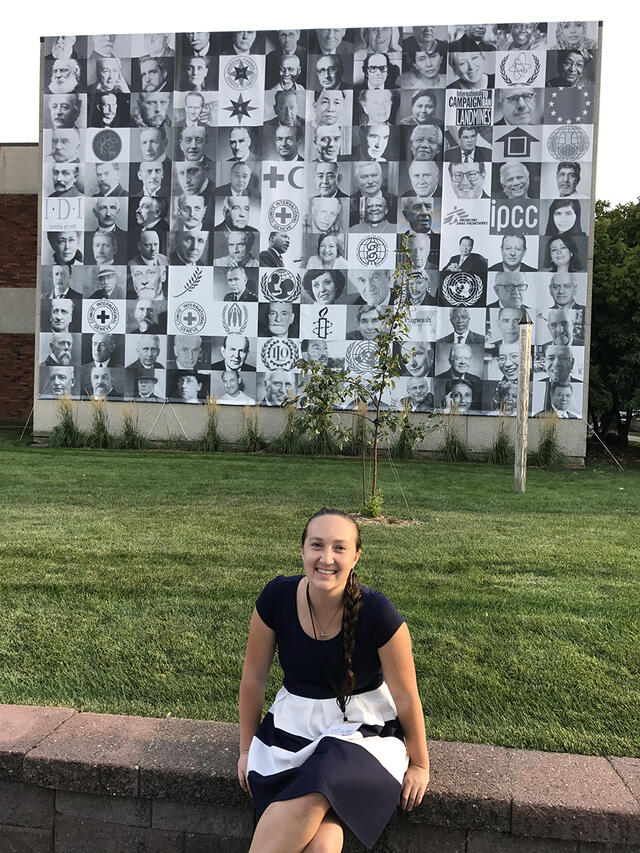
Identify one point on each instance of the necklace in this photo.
(323, 631)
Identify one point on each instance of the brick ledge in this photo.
(473, 786)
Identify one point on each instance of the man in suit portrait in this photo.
(144, 387)
(64, 110)
(467, 179)
(287, 47)
(106, 212)
(509, 327)
(108, 109)
(330, 72)
(460, 356)
(242, 182)
(459, 317)
(468, 151)
(240, 289)
(241, 146)
(60, 349)
(109, 286)
(419, 398)
(238, 249)
(188, 353)
(424, 176)
(108, 178)
(519, 105)
(514, 180)
(190, 248)
(512, 249)
(510, 288)
(560, 396)
(473, 39)
(326, 179)
(563, 287)
(234, 351)
(561, 325)
(146, 318)
(278, 245)
(64, 177)
(467, 260)
(56, 381)
(285, 107)
(61, 317)
(61, 283)
(148, 350)
(417, 357)
(148, 253)
(150, 216)
(65, 146)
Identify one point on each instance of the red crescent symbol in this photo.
(291, 174)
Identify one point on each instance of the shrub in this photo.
(99, 434)
(291, 438)
(251, 440)
(131, 438)
(371, 507)
(211, 440)
(454, 447)
(502, 451)
(66, 432)
(548, 453)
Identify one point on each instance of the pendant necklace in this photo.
(323, 631)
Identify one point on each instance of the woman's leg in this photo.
(329, 838)
(287, 826)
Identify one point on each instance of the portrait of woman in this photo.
(561, 255)
(330, 254)
(564, 217)
(423, 68)
(348, 670)
(473, 70)
(573, 34)
(323, 287)
(378, 40)
(525, 36)
(424, 108)
(571, 68)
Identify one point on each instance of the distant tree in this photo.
(615, 330)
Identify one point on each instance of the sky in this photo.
(618, 176)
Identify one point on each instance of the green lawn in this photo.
(127, 581)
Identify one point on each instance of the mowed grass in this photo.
(127, 581)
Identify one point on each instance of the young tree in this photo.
(326, 388)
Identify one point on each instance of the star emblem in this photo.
(241, 72)
(240, 109)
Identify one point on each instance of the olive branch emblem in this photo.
(192, 282)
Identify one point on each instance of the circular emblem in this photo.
(241, 72)
(569, 106)
(521, 69)
(280, 285)
(235, 317)
(361, 356)
(190, 318)
(462, 288)
(568, 143)
(372, 251)
(106, 145)
(103, 316)
(279, 353)
(283, 215)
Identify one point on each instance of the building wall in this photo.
(19, 175)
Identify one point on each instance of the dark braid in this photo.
(352, 605)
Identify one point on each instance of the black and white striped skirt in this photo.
(304, 746)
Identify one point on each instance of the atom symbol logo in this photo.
(520, 70)
(240, 109)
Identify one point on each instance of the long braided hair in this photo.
(352, 605)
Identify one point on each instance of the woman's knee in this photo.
(301, 806)
(328, 839)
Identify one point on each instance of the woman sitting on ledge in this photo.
(344, 740)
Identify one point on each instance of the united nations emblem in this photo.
(462, 288)
(372, 251)
(520, 69)
(106, 145)
(190, 318)
(103, 316)
(361, 356)
(569, 142)
(280, 285)
(283, 215)
(279, 353)
(235, 317)
(241, 72)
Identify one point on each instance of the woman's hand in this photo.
(414, 785)
(242, 772)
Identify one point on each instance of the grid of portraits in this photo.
(218, 206)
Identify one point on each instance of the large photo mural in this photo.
(217, 206)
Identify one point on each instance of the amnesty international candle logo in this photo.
(372, 251)
(279, 353)
(322, 326)
(103, 316)
(568, 143)
(190, 318)
(361, 356)
(106, 145)
(281, 285)
(520, 69)
(241, 72)
(234, 318)
(283, 215)
(462, 288)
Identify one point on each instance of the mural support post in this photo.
(522, 414)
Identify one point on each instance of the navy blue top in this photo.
(311, 665)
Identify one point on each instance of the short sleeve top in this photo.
(314, 668)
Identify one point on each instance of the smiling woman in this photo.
(344, 740)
